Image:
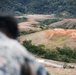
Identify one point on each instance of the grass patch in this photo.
(57, 40)
(60, 39)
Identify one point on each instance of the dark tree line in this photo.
(39, 6)
(65, 54)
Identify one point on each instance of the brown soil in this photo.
(58, 31)
(61, 71)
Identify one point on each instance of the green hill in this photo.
(61, 7)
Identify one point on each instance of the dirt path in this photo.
(56, 68)
(42, 61)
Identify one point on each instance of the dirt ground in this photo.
(61, 71)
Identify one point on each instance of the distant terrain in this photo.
(48, 30)
(53, 38)
(66, 8)
(48, 21)
(51, 32)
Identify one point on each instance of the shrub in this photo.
(66, 66)
(38, 50)
(65, 54)
(26, 32)
(23, 19)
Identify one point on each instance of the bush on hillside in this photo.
(38, 50)
(23, 19)
(65, 54)
(49, 21)
(26, 32)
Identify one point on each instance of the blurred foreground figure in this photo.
(14, 58)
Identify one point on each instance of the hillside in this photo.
(47, 21)
(60, 7)
(52, 38)
(65, 23)
(60, 33)
(25, 26)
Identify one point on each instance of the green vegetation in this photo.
(49, 21)
(65, 54)
(44, 24)
(26, 32)
(38, 50)
(67, 26)
(23, 19)
(66, 66)
(39, 6)
(58, 40)
(48, 24)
